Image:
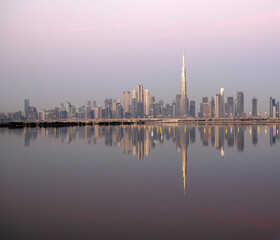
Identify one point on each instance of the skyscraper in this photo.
(126, 103)
(26, 105)
(177, 108)
(254, 107)
(205, 109)
(192, 108)
(100, 115)
(134, 104)
(68, 109)
(140, 102)
(62, 112)
(222, 107)
(73, 112)
(212, 107)
(218, 105)
(229, 107)
(272, 107)
(108, 108)
(146, 102)
(240, 104)
(183, 103)
(277, 109)
(115, 105)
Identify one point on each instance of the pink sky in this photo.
(77, 46)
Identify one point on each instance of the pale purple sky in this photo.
(52, 51)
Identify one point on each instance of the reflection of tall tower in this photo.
(147, 141)
(184, 165)
(140, 142)
(183, 104)
(220, 139)
(240, 138)
(255, 134)
(183, 140)
(126, 140)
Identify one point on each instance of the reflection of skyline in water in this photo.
(140, 139)
(91, 176)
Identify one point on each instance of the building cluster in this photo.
(232, 108)
(273, 108)
(139, 104)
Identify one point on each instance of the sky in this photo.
(53, 51)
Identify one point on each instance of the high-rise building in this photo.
(32, 114)
(229, 107)
(273, 108)
(192, 109)
(68, 109)
(134, 104)
(62, 112)
(218, 105)
(277, 109)
(271, 105)
(73, 112)
(115, 105)
(108, 108)
(146, 102)
(89, 114)
(206, 110)
(95, 112)
(240, 105)
(183, 103)
(173, 109)
(274, 111)
(178, 101)
(140, 100)
(100, 112)
(26, 105)
(42, 115)
(254, 107)
(119, 111)
(126, 103)
(222, 113)
(212, 107)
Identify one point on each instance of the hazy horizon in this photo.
(58, 51)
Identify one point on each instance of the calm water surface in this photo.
(140, 182)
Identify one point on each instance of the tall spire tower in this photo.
(183, 103)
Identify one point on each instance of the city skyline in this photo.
(151, 119)
(183, 91)
(233, 45)
(142, 104)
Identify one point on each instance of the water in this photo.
(140, 182)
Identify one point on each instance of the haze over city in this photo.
(58, 51)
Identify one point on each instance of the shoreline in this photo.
(143, 121)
